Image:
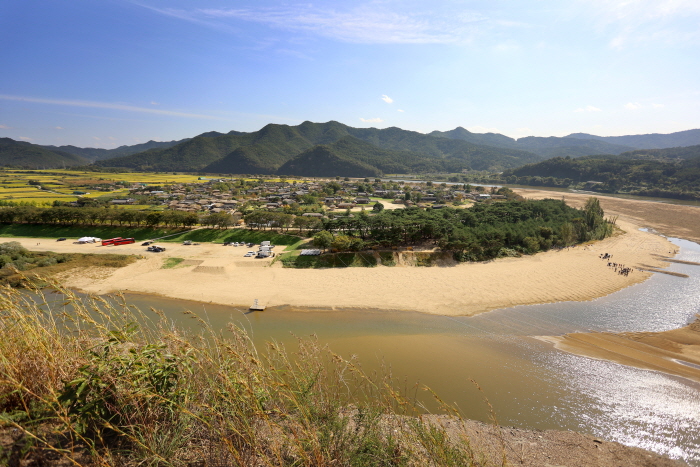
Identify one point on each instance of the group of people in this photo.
(619, 268)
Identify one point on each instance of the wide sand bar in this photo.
(218, 274)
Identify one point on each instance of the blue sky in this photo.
(112, 72)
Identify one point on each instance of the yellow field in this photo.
(132, 177)
(15, 187)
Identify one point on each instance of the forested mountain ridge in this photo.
(22, 154)
(353, 157)
(545, 147)
(649, 141)
(665, 155)
(266, 150)
(95, 154)
(673, 172)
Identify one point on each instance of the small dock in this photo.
(256, 306)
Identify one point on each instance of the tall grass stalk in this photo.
(96, 381)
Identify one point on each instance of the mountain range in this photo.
(95, 154)
(577, 144)
(268, 150)
(22, 154)
(332, 148)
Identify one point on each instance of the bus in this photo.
(110, 241)
(123, 241)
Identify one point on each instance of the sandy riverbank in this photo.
(675, 352)
(213, 273)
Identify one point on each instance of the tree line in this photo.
(482, 232)
(100, 216)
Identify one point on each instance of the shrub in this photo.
(149, 394)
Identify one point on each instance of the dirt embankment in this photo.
(550, 448)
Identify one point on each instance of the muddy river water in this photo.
(529, 383)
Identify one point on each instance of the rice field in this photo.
(60, 185)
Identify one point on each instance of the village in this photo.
(309, 198)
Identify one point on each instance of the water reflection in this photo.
(530, 384)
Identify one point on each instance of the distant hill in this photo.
(270, 148)
(665, 155)
(95, 154)
(672, 173)
(22, 154)
(649, 141)
(352, 157)
(545, 147)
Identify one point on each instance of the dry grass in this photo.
(63, 263)
(100, 382)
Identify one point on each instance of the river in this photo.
(529, 383)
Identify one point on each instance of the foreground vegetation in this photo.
(98, 382)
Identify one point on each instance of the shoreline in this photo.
(217, 274)
(675, 352)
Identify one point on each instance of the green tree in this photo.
(323, 239)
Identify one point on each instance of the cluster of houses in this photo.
(274, 195)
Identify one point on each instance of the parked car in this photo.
(155, 249)
(146, 243)
(62, 239)
(249, 254)
(187, 242)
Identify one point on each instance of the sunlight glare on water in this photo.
(530, 384)
(633, 407)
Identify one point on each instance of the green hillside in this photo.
(545, 147)
(21, 154)
(673, 173)
(94, 154)
(665, 155)
(649, 141)
(266, 150)
(352, 157)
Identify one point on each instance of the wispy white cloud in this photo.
(387, 99)
(630, 22)
(96, 138)
(4, 127)
(399, 110)
(154, 103)
(105, 105)
(657, 106)
(25, 138)
(371, 120)
(58, 128)
(588, 108)
(371, 23)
